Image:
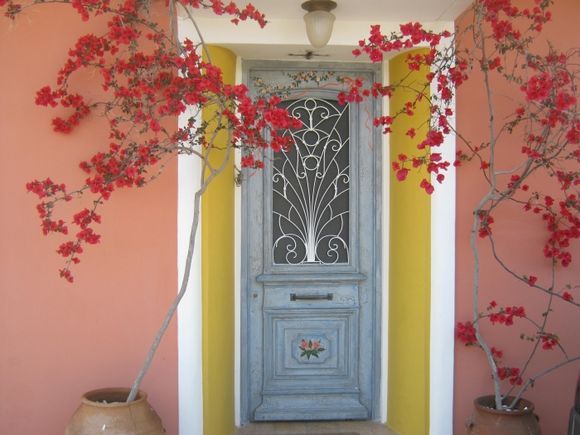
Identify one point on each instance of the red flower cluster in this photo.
(538, 87)
(85, 7)
(220, 8)
(505, 316)
(465, 332)
(563, 225)
(510, 373)
(45, 188)
(502, 16)
(121, 34)
(85, 217)
(497, 354)
(567, 296)
(513, 374)
(81, 110)
(485, 222)
(549, 341)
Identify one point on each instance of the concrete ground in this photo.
(316, 428)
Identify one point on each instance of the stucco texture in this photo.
(520, 239)
(59, 340)
(409, 280)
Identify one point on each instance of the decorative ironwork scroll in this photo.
(311, 186)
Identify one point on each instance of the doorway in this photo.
(310, 260)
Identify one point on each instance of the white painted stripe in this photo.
(189, 320)
(385, 226)
(443, 294)
(237, 274)
(189, 314)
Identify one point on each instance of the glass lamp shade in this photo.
(319, 27)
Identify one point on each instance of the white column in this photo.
(189, 316)
(443, 293)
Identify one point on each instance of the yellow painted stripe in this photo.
(217, 229)
(409, 281)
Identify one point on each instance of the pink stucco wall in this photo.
(59, 340)
(552, 395)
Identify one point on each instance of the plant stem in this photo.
(187, 271)
(533, 379)
(489, 196)
(204, 183)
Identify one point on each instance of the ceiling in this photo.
(365, 10)
(285, 37)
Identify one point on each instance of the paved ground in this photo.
(316, 428)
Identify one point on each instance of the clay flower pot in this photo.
(105, 412)
(486, 420)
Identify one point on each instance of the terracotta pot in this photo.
(486, 420)
(105, 412)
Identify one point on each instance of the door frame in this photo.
(380, 267)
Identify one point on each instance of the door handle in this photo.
(326, 297)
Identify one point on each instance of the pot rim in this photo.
(141, 397)
(481, 403)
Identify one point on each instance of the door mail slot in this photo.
(307, 297)
(297, 297)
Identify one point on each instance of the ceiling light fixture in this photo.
(319, 21)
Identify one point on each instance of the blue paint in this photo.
(335, 304)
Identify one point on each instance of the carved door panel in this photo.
(310, 255)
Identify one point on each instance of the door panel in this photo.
(310, 254)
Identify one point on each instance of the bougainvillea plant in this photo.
(544, 125)
(147, 76)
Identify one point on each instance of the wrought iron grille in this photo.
(311, 183)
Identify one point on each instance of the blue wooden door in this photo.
(311, 254)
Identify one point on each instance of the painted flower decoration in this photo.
(310, 348)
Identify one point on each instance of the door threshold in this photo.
(316, 428)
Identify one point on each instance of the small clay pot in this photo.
(105, 412)
(486, 420)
